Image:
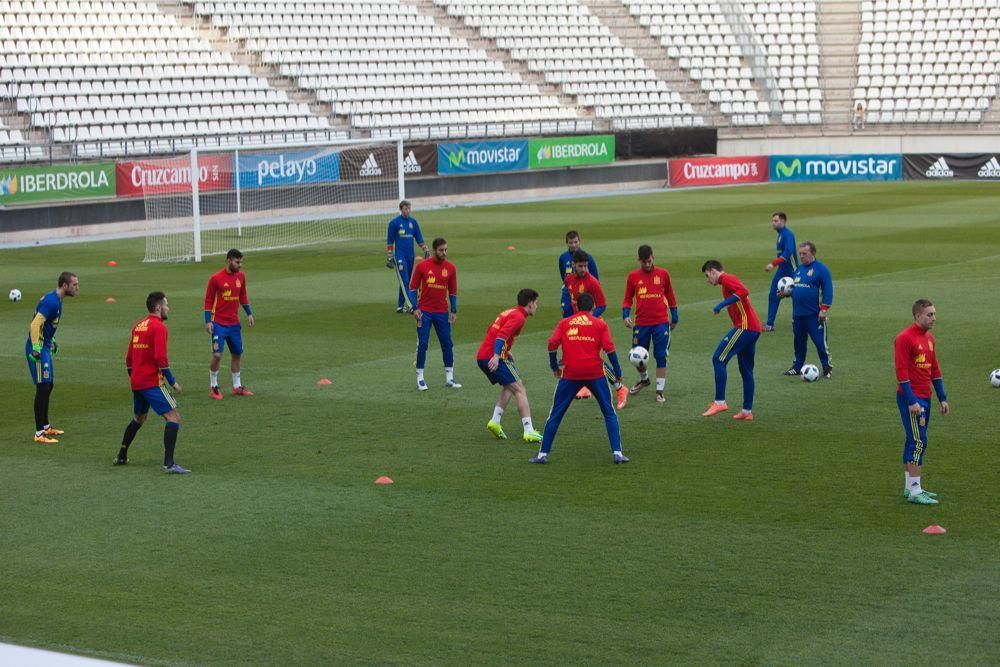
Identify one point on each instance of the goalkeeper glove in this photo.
(36, 352)
(427, 253)
(54, 348)
(390, 261)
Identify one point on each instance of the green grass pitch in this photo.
(782, 541)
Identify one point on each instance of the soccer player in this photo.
(582, 337)
(403, 231)
(741, 340)
(434, 288)
(812, 296)
(226, 291)
(649, 287)
(149, 375)
(566, 268)
(783, 264)
(41, 346)
(495, 360)
(916, 371)
(581, 281)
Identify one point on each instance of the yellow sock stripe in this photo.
(729, 347)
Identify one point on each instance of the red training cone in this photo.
(384, 480)
(324, 382)
(510, 247)
(112, 263)
(110, 299)
(934, 529)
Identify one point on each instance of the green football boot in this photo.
(906, 493)
(497, 430)
(533, 437)
(922, 499)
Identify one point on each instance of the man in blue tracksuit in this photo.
(812, 296)
(566, 268)
(783, 265)
(403, 231)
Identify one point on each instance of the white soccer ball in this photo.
(785, 285)
(638, 356)
(809, 373)
(14, 295)
(995, 378)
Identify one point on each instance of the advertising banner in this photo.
(863, 167)
(571, 151)
(29, 185)
(480, 157)
(951, 166)
(420, 159)
(265, 170)
(366, 164)
(694, 171)
(172, 175)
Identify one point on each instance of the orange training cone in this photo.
(510, 247)
(934, 529)
(384, 480)
(112, 263)
(324, 381)
(110, 299)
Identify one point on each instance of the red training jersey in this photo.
(653, 295)
(582, 337)
(435, 281)
(916, 360)
(586, 285)
(225, 293)
(147, 353)
(741, 313)
(506, 326)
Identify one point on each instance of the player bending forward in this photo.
(495, 360)
(582, 337)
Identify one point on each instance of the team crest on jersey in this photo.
(656, 280)
(444, 273)
(809, 272)
(930, 345)
(580, 290)
(238, 284)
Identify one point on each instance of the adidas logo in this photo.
(370, 167)
(411, 165)
(991, 169)
(940, 169)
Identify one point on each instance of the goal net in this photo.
(208, 201)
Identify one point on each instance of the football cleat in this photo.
(533, 437)
(660, 398)
(54, 431)
(620, 458)
(421, 385)
(46, 440)
(906, 493)
(176, 469)
(538, 458)
(791, 371)
(714, 409)
(400, 310)
(827, 372)
(745, 416)
(215, 393)
(638, 386)
(120, 461)
(497, 430)
(242, 391)
(622, 396)
(922, 499)
(451, 384)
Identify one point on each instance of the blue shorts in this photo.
(915, 428)
(231, 336)
(659, 334)
(159, 398)
(42, 370)
(505, 374)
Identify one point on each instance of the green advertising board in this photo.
(571, 151)
(31, 185)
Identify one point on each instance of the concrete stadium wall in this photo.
(860, 142)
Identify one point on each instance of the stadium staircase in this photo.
(616, 17)
(839, 33)
(218, 37)
(457, 27)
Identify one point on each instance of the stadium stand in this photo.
(385, 67)
(928, 61)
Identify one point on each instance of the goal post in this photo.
(268, 196)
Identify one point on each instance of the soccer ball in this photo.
(15, 295)
(638, 356)
(785, 285)
(809, 373)
(995, 378)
